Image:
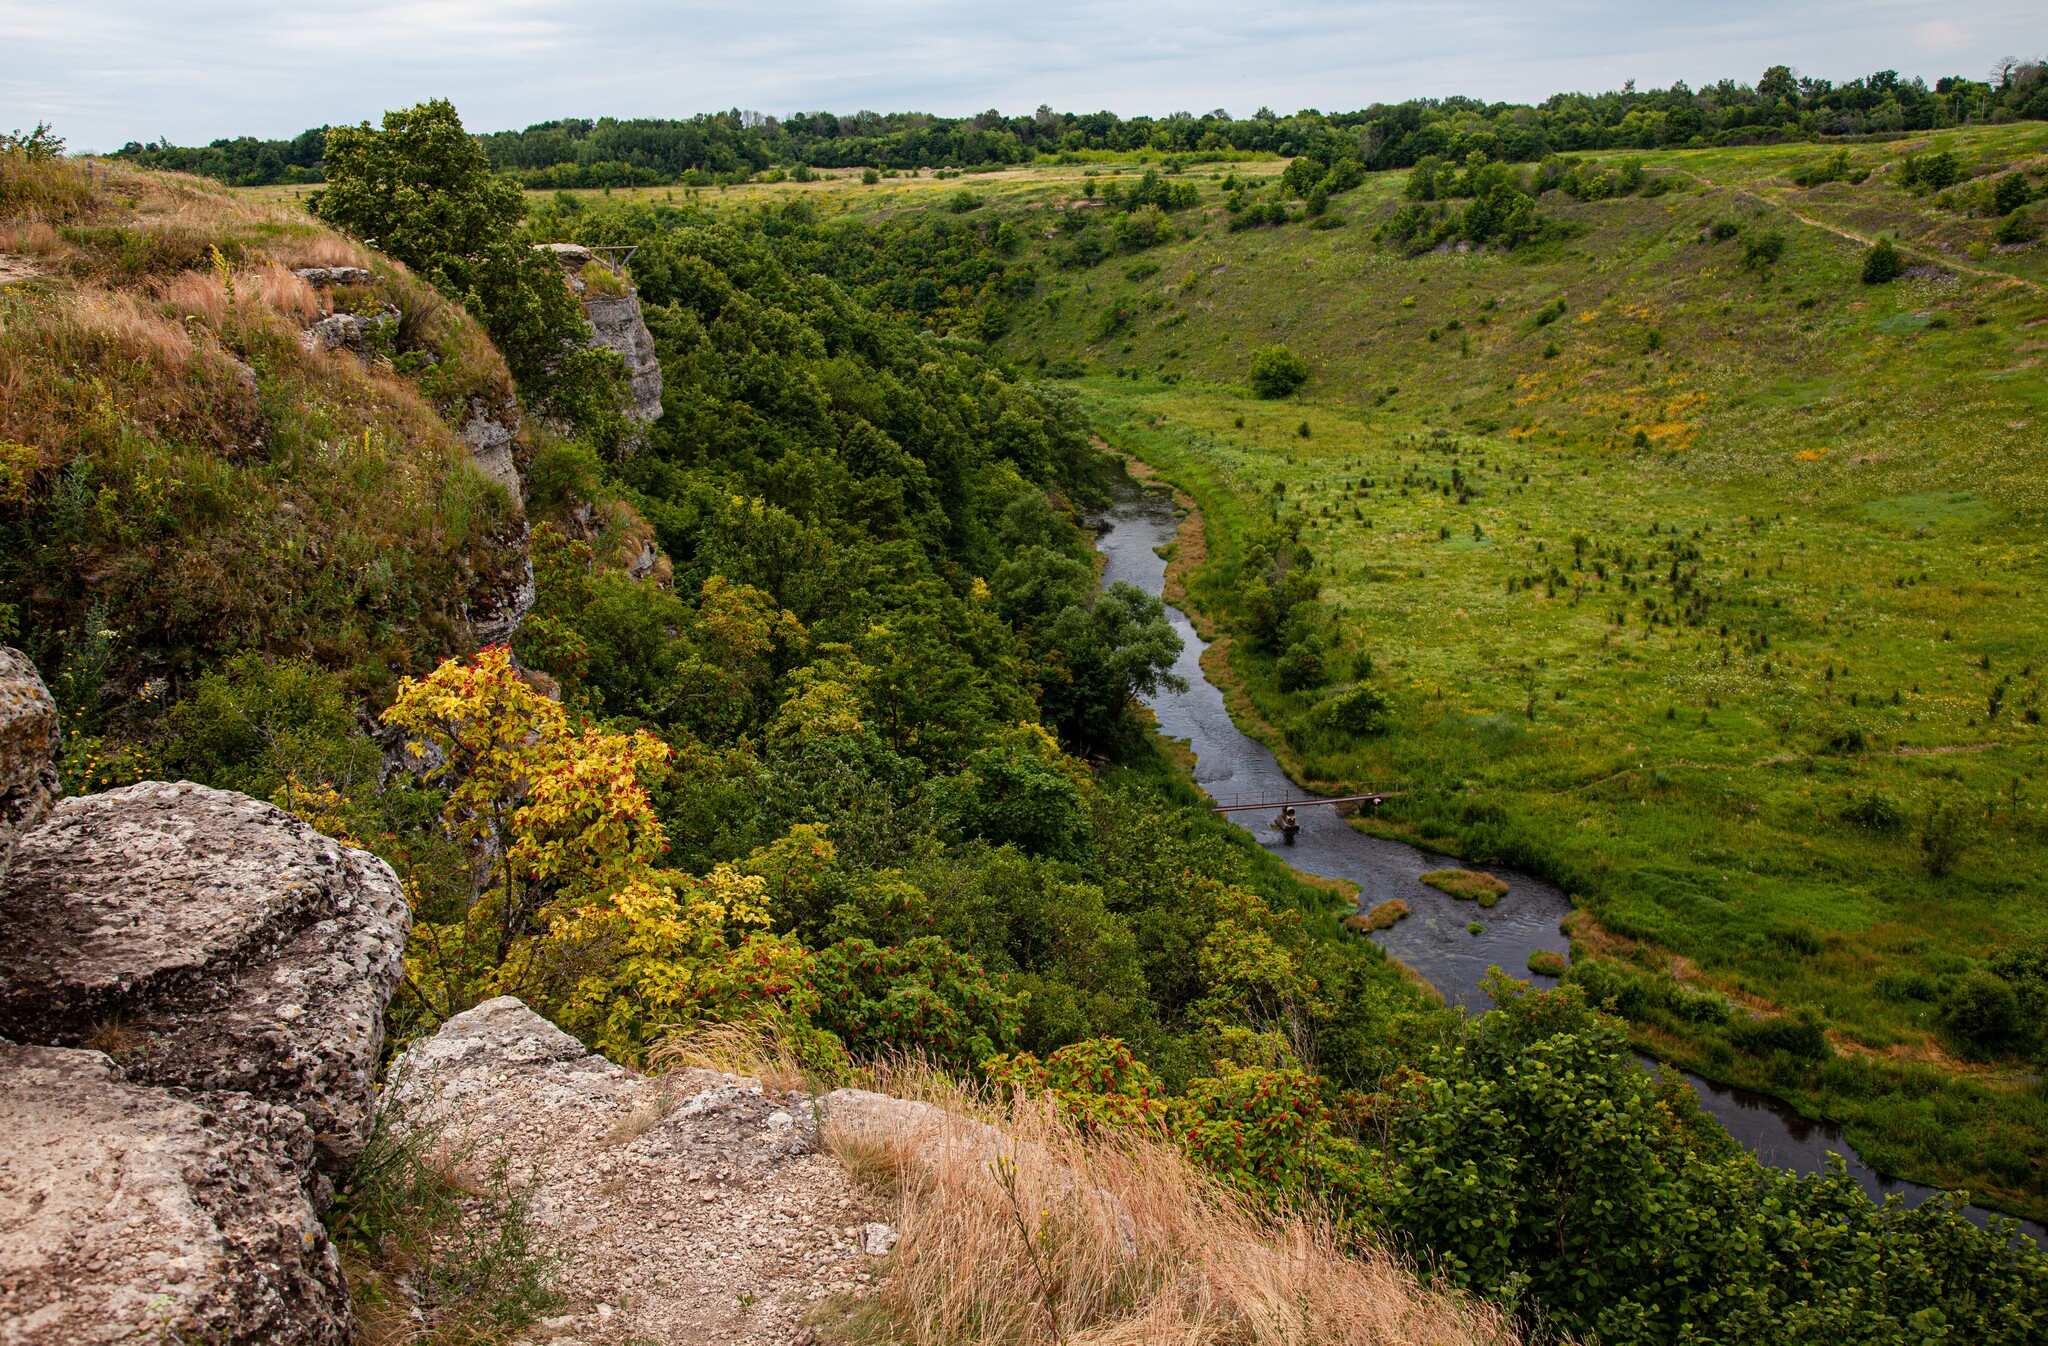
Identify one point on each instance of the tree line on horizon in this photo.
(733, 146)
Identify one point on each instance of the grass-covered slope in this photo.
(1695, 572)
(186, 473)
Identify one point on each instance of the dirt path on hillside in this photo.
(1936, 258)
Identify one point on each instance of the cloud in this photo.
(107, 71)
(1941, 35)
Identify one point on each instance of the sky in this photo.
(104, 72)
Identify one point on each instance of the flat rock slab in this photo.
(210, 941)
(137, 1214)
(686, 1208)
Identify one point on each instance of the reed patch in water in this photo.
(1468, 884)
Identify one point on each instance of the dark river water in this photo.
(1235, 768)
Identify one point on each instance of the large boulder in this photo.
(30, 740)
(137, 1214)
(210, 941)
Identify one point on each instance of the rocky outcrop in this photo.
(682, 1209)
(620, 327)
(491, 434)
(613, 307)
(194, 982)
(364, 335)
(323, 277)
(30, 739)
(495, 602)
(140, 1214)
(215, 942)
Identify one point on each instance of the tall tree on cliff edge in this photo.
(422, 190)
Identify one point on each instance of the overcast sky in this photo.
(109, 71)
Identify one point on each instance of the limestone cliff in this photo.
(613, 307)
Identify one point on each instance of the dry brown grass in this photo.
(50, 189)
(1061, 1238)
(755, 1050)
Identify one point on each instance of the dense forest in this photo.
(734, 146)
(857, 761)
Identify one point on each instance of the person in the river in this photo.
(1288, 823)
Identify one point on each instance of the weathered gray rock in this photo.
(621, 328)
(320, 277)
(213, 942)
(490, 439)
(573, 256)
(500, 1034)
(497, 603)
(30, 739)
(617, 324)
(358, 333)
(135, 1214)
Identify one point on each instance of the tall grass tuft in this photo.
(1068, 1238)
(439, 1247)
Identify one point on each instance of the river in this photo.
(1236, 768)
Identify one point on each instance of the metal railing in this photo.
(1376, 798)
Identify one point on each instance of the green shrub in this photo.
(1361, 711)
(1611, 986)
(260, 723)
(1009, 796)
(1760, 252)
(1982, 1012)
(1882, 263)
(1900, 987)
(1268, 1128)
(1930, 172)
(1097, 1082)
(1872, 809)
(1276, 371)
(1796, 1036)
(921, 996)
(2018, 227)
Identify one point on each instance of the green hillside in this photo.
(1696, 573)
